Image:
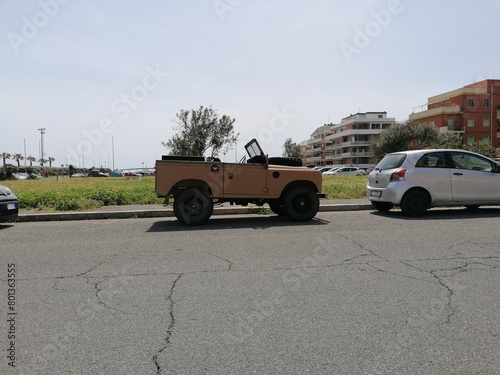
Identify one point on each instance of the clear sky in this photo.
(100, 73)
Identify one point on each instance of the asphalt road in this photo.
(348, 293)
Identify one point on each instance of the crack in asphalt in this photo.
(225, 260)
(170, 328)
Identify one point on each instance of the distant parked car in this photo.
(420, 179)
(348, 171)
(116, 174)
(21, 176)
(9, 206)
(97, 174)
(133, 175)
(330, 171)
(78, 175)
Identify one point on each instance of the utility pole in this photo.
(42, 132)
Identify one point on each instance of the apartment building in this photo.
(347, 143)
(472, 111)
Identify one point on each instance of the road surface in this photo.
(347, 293)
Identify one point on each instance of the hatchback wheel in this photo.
(414, 203)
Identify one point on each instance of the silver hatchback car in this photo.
(420, 179)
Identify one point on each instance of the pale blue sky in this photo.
(89, 71)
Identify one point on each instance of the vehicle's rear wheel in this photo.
(276, 207)
(300, 203)
(193, 206)
(382, 206)
(414, 203)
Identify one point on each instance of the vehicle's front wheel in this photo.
(382, 206)
(193, 206)
(414, 203)
(300, 203)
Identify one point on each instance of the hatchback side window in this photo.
(472, 162)
(432, 160)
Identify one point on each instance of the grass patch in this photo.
(74, 194)
(345, 187)
(68, 194)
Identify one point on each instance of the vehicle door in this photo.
(474, 178)
(432, 171)
(245, 179)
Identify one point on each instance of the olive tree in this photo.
(411, 135)
(291, 149)
(200, 130)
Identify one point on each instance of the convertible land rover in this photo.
(196, 184)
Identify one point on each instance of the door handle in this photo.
(458, 174)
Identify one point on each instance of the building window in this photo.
(470, 102)
(486, 139)
(448, 104)
(451, 124)
(486, 122)
(486, 103)
(470, 139)
(470, 122)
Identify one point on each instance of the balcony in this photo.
(313, 159)
(452, 129)
(435, 112)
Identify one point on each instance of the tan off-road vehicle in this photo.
(196, 184)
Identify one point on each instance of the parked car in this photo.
(21, 176)
(95, 173)
(418, 180)
(9, 206)
(330, 172)
(353, 171)
(116, 174)
(78, 175)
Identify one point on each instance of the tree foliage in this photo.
(291, 149)
(412, 135)
(200, 130)
(481, 147)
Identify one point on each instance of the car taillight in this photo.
(399, 175)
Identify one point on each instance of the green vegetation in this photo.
(65, 194)
(345, 187)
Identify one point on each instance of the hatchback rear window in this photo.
(391, 161)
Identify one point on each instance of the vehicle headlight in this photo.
(5, 191)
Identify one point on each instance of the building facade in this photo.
(347, 143)
(472, 111)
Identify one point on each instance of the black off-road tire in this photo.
(300, 203)
(286, 161)
(277, 208)
(193, 206)
(414, 203)
(382, 206)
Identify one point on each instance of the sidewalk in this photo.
(158, 210)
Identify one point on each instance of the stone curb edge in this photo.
(140, 214)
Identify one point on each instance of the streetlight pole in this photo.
(42, 132)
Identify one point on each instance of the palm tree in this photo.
(41, 161)
(5, 156)
(18, 158)
(50, 159)
(31, 159)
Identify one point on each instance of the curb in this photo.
(141, 214)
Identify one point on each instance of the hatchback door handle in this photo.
(458, 174)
